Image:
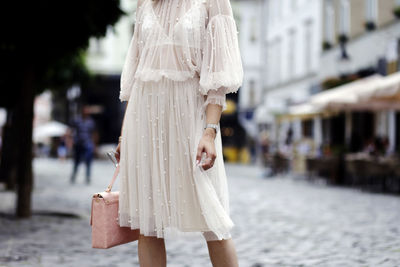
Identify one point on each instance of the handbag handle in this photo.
(109, 187)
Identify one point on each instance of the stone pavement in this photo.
(280, 221)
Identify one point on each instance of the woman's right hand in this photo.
(118, 151)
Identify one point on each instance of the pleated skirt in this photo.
(163, 192)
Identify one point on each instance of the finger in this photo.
(199, 151)
(211, 153)
(207, 166)
(208, 163)
(213, 156)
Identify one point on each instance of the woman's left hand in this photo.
(207, 145)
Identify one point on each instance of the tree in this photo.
(42, 44)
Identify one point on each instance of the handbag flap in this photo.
(108, 198)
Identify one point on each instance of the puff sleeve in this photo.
(221, 70)
(131, 60)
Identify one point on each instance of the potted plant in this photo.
(343, 38)
(326, 45)
(330, 83)
(333, 82)
(370, 25)
(396, 12)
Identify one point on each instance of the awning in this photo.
(388, 89)
(304, 111)
(375, 92)
(345, 96)
(305, 108)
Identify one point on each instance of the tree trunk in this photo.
(24, 120)
(8, 163)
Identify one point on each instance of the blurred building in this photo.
(361, 37)
(105, 59)
(310, 44)
(251, 34)
(251, 22)
(107, 55)
(291, 47)
(369, 28)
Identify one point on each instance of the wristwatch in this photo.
(212, 125)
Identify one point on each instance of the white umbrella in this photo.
(3, 117)
(49, 129)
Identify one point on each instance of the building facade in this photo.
(304, 45)
(292, 41)
(360, 38)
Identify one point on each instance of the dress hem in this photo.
(174, 233)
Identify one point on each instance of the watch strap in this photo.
(212, 125)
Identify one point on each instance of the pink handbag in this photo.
(106, 232)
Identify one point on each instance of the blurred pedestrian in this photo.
(83, 128)
(62, 149)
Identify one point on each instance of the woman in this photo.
(182, 60)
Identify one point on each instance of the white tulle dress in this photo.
(183, 55)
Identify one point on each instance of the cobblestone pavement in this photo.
(280, 221)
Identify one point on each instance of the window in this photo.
(344, 28)
(253, 29)
(291, 52)
(293, 5)
(329, 22)
(252, 95)
(308, 45)
(277, 56)
(270, 61)
(273, 11)
(274, 61)
(279, 10)
(371, 11)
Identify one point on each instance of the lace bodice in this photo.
(180, 39)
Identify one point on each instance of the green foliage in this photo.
(342, 38)
(338, 150)
(396, 12)
(64, 71)
(45, 28)
(335, 82)
(326, 45)
(50, 36)
(370, 25)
